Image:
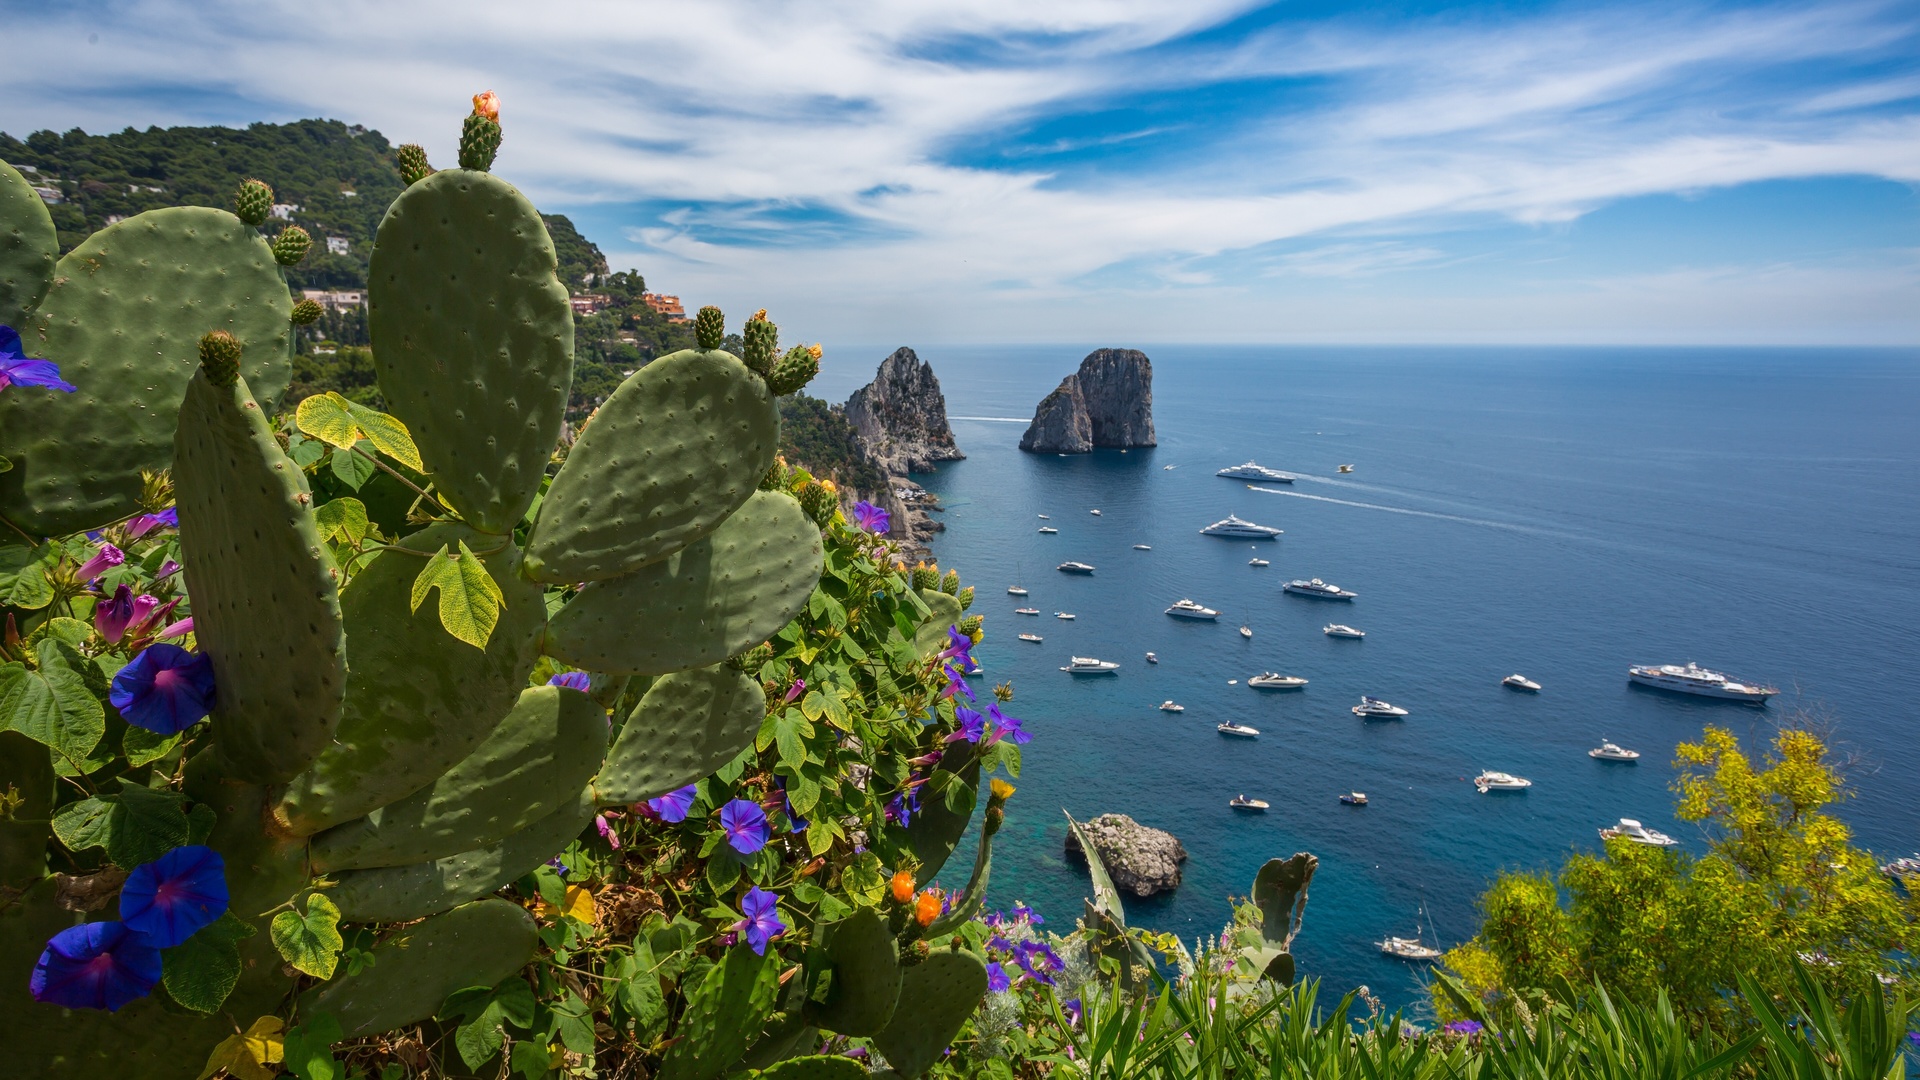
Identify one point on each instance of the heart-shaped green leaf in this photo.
(310, 942)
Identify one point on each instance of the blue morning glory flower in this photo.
(18, 369)
(973, 726)
(762, 923)
(956, 683)
(146, 523)
(99, 965)
(901, 810)
(174, 895)
(1026, 953)
(673, 806)
(1464, 1027)
(871, 518)
(1008, 727)
(1022, 911)
(165, 689)
(997, 979)
(572, 680)
(795, 823)
(960, 647)
(746, 826)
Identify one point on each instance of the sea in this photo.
(1557, 512)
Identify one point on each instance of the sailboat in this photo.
(1413, 948)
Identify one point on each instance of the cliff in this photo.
(901, 416)
(1107, 403)
(1140, 860)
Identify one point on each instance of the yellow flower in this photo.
(816, 351)
(487, 104)
(759, 316)
(1002, 790)
(828, 484)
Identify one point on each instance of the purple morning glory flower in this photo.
(746, 826)
(103, 560)
(960, 647)
(1008, 727)
(146, 523)
(973, 726)
(572, 680)
(174, 895)
(179, 629)
(1464, 1027)
(167, 570)
(795, 823)
(1027, 951)
(19, 369)
(871, 518)
(999, 944)
(100, 965)
(559, 867)
(997, 979)
(1071, 1007)
(606, 831)
(112, 615)
(165, 689)
(673, 806)
(762, 923)
(901, 810)
(1022, 911)
(956, 683)
(793, 692)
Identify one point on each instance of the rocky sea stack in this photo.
(1108, 403)
(899, 422)
(1140, 860)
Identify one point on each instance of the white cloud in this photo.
(817, 105)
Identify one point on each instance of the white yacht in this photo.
(1490, 781)
(1269, 680)
(1607, 751)
(1015, 590)
(1035, 638)
(1067, 615)
(1246, 631)
(1143, 547)
(1026, 611)
(1241, 802)
(1152, 659)
(1373, 706)
(1319, 589)
(1239, 731)
(1169, 706)
(1342, 630)
(1258, 562)
(1233, 526)
(1409, 948)
(1694, 679)
(1075, 568)
(1048, 529)
(1095, 513)
(1250, 471)
(1520, 682)
(1087, 665)
(1629, 829)
(1187, 609)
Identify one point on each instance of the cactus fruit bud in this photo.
(970, 626)
(710, 327)
(487, 103)
(915, 953)
(253, 202)
(820, 503)
(412, 159)
(966, 597)
(925, 577)
(950, 584)
(291, 245)
(220, 358)
(753, 659)
(763, 341)
(479, 142)
(992, 821)
(776, 478)
(794, 371)
(902, 886)
(305, 312)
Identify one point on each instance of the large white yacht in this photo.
(1026, 611)
(1087, 665)
(1241, 731)
(1607, 751)
(1015, 590)
(1629, 829)
(1234, 526)
(1521, 682)
(1269, 680)
(1491, 781)
(1318, 589)
(1187, 609)
(1373, 706)
(1048, 529)
(1694, 679)
(1035, 638)
(1343, 630)
(1075, 568)
(1250, 471)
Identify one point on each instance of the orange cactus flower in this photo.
(926, 909)
(902, 886)
(487, 104)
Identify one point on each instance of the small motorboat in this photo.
(1035, 638)
(1152, 659)
(1269, 680)
(1521, 682)
(1095, 513)
(1143, 547)
(1241, 802)
(1044, 517)
(1373, 706)
(1168, 468)
(1071, 567)
(1491, 781)
(1169, 706)
(1063, 615)
(1026, 611)
(1342, 630)
(1048, 529)
(1258, 562)
(1608, 751)
(1354, 798)
(1238, 731)
(1409, 948)
(1246, 631)
(1904, 870)
(1015, 590)
(1346, 468)
(1629, 829)
(1087, 665)
(1233, 682)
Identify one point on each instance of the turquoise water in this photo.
(1558, 512)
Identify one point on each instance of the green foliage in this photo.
(817, 436)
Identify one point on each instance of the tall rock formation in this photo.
(901, 416)
(1107, 403)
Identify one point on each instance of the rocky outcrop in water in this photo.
(901, 416)
(1140, 860)
(1107, 403)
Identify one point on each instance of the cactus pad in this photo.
(866, 976)
(936, 997)
(535, 761)
(678, 447)
(1280, 890)
(724, 593)
(733, 1001)
(124, 320)
(26, 772)
(932, 635)
(405, 893)
(936, 829)
(28, 248)
(418, 698)
(266, 605)
(687, 725)
(472, 339)
(817, 1067)
(476, 944)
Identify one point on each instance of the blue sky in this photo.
(1119, 170)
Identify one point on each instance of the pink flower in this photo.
(606, 832)
(793, 692)
(103, 560)
(179, 629)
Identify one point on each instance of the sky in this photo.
(1122, 171)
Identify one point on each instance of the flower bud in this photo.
(487, 104)
(902, 886)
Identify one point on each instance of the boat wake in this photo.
(1483, 522)
(996, 419)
